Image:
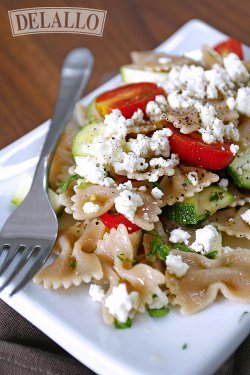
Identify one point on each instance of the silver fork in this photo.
(30, 232)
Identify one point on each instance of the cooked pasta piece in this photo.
(66, 197)
(62, 159)
(147, 214)
(140, 277)
(240, 197)
(205, 279)
(99, 195)
(231, 222)
(76, 262)
(177, 187)
(187, 120)
(210, 56)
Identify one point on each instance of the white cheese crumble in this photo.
(176, 266)
(164, 60)
(90, 207)
(193, 178)
(159, 300)
(157, 193)
(235, 68)
(156, 108)
(125, 186)
(234, 149)
(179, 235)
(246, 216)
(206, 240)
(223, 183)
(120, 303)
(127, 203)
(243, 101)
(88, 168)
(96, 292)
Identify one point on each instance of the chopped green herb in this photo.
(158, 247)
(121, 325)
(214, 197)
(73, 263)
(64, 186)
(243, 314)
(125, 260)
(187, 181)
(84, 184)
(156, 185)
(157, 313)
(181, 247)
(184, 346)
(212, 254)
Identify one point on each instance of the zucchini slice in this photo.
(86, 136)
(239, 170)
(197, 208)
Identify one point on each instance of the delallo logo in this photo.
(57, 20)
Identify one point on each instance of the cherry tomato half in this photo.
(192, 149)
(112, 220)
(128, 98)
(229, 45)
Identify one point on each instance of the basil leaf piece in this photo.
(64, 186)
(73, 263)
(157, 246)
(181, 247)
(214, 197)
(158, 313)
(121, 325)
(156, 185)
(212, 254)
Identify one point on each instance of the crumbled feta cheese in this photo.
(157, 193)
(96, 292)
(140, 145)
(131, 163)
(193, 178)
(127, 203)
(142, 188)
(159, 300)
(243, 101)
(206, 240)
(231, 103)
(120, 303)
(234, 149)
(156, 108)
(88, 168)
(223, 183)
(179, 235)
(246, 216)
(90, 207)
(125, 186)
(159, 143)
(176, 266)
(235, 68)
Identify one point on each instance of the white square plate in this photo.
(70, 318)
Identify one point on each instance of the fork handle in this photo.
(75, 73)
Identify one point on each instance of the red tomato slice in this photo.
(128, 98)
(113, 220)
(192, 149)
(230, 45)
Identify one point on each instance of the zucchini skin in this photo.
(239, 174)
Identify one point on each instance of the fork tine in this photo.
(23, 259)
(9, 257)
(36, 266)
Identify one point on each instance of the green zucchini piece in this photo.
(197, 208)
(86, 136)
(131, 74)
(92, 113)
(24, 187)
(239, 170)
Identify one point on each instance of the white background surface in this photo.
(151, 346)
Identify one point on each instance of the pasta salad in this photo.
(154, 177)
